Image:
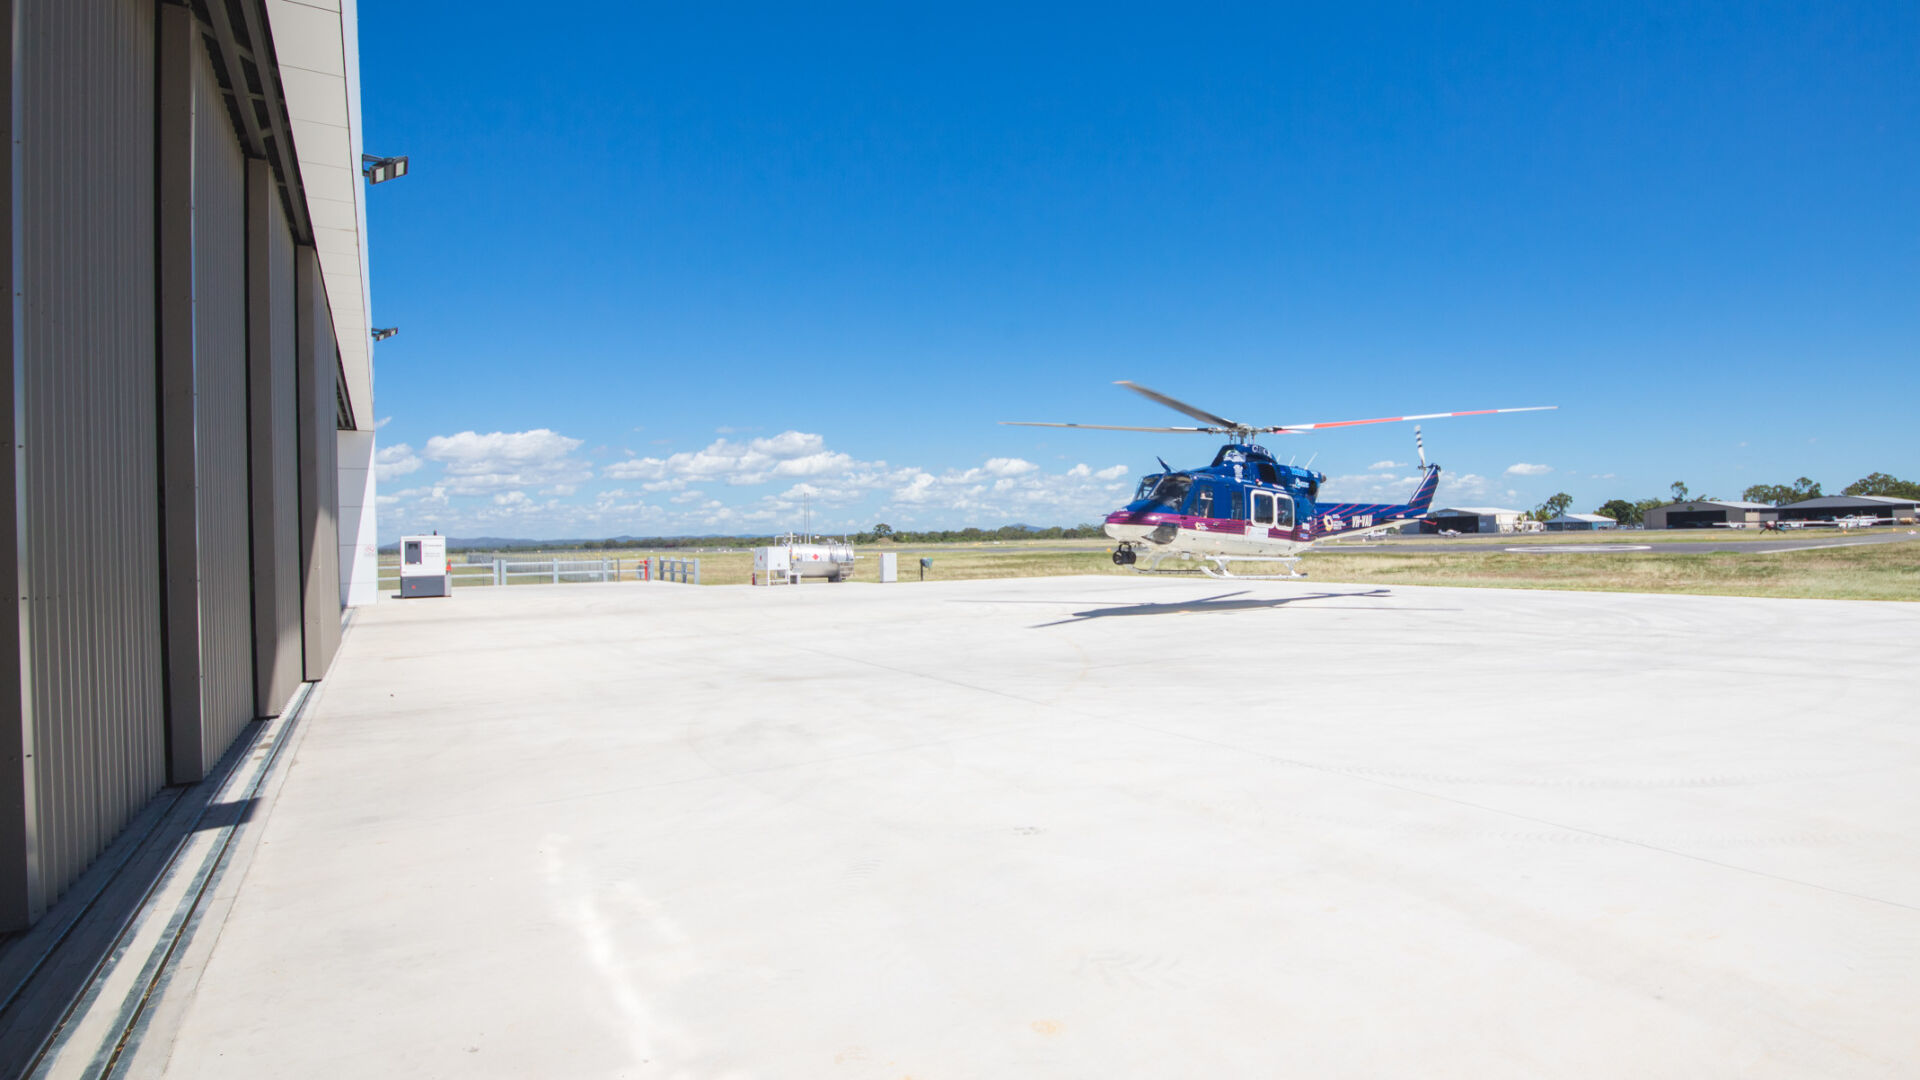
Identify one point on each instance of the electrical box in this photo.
(889, 566)
(772, 564)
(423, 567)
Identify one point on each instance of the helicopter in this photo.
(1248, 507)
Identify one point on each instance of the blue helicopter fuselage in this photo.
(1247, 503)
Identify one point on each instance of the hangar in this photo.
(1708, 513)
(1472, 519)
(1830, 507)
(189, 429)
(1581, 523)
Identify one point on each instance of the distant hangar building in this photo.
(188, 482)
(1709, 513)
(1473, 519)
(1831, 507)
(1581, 523)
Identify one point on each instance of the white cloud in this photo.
(1003, 466)
(1368, 487)
(1007, 489)
(393, 462)
(1465, 486)
(790, 453)
(1378, 465)
(481, 464)
(1524, 469)
(531, 484)
(382, 422)
(813, 464)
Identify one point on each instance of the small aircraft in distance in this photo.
(1851, 521)
(1246, 506)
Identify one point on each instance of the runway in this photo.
(1537, 543)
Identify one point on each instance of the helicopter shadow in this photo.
(1225, 602)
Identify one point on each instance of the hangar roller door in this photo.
(86, 700)
(1696, 519)
(220, 417)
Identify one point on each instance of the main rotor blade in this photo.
(1396, 419)
(1117, 427)
(1180, 406)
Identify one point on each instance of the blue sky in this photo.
(661, 269)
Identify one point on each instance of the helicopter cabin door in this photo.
(1271, 510)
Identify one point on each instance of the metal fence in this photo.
(684, 571)
(561, 571)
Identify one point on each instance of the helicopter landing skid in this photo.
(1219, 569)
(1125, 555)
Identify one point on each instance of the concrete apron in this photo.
(1084, 827)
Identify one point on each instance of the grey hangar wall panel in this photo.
(225, 546)
(84, 702)
(274, 431)
(319, 361)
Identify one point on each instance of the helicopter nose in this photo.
(1124, 526)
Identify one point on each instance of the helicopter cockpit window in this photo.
(1146, 488)
(1203, 502)
(1171, 492)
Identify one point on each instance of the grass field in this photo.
(1869, 572)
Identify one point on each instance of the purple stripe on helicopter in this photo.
(1226, 526)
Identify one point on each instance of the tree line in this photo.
(1633, 512)
(876, 534)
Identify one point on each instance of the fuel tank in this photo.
(827, 559)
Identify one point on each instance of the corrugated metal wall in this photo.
(319, 463)
(92, 523)
(276, 454)
(220, 417)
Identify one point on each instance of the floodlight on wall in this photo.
(379, 170)
(385, 332)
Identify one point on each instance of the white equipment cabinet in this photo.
(423, 567)
(771, 563)
(889, 567)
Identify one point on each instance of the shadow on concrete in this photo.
(220, 815)
(1223, 603)
(45, 969)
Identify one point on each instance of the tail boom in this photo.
(1347, 519)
